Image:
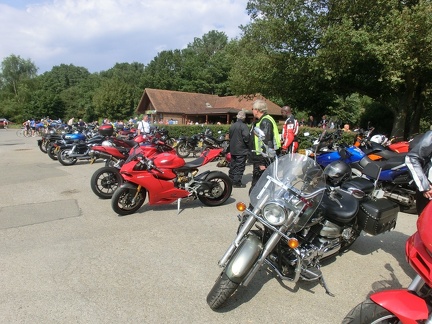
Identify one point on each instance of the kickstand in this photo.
(323, 283)
(178, 206)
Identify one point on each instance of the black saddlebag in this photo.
(377, 216)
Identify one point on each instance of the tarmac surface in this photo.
(66, 257)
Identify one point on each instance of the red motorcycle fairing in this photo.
(424, 224)
(408, 307)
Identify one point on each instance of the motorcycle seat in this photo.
(384, 165)
(192, 164)
(365, 185)
(342, 209)
(387, 154)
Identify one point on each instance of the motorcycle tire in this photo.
(221, 291)
(50, 151)
(43, 147)
(221, 189)
(105, 181)
(182, 150)
(63, 157)
(122, 201)
(369, 312)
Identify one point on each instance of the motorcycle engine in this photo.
(185, 177)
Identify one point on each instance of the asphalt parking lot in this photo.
(66, 257)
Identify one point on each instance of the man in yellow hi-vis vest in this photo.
(268, 125)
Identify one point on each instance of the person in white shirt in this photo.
(144, 126)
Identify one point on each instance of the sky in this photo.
(97, 34)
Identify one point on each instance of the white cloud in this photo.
(96, 34)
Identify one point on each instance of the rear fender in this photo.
(244, 258)
(407, 306)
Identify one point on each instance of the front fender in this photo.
(244, 258)
(407, 306)
(129, 185)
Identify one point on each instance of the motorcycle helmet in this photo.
(337, 172)
(107, 143)
(380, 139)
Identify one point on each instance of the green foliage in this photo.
(114, 99)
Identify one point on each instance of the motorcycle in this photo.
(106, 180)
(167, 178)
(191, 145)
(379, 147)
(394, 180)
(54, 146)
(411, 305)
(300, 220)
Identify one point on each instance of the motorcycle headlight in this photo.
(275, 213)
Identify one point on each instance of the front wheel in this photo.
(43, 146)
(105, 181)
(64, 158)
(126, 201)
(369, 312)
(221, 291)
(182, 150)
(220, 189)
(51, 151)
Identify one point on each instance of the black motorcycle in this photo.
(69, 154)
(299, 215)
(190, 145)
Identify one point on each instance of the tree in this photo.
(114, 99)
(311, 52)
(382, 49)
(16, 71)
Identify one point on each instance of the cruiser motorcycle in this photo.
(410, 305)
(295, 220)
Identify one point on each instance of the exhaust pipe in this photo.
(402, 199)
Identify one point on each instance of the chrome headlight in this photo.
(274, 212)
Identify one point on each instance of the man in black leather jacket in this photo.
(418, 161)
(272, 138)
(239, 149)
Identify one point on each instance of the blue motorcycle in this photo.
(393, 180)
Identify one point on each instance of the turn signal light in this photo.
(293, 243)
(241, 206)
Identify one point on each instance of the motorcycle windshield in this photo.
(134, 151)
(297, 181)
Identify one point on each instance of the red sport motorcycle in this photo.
(168, 178)
(107, 179)
(411, 305)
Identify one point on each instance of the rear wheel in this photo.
(64, 158)
(221, 291)
(220, 191)
(182, 150)
(369, 312)
(126, 201)
(105, 181)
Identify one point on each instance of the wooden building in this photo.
(185, 107)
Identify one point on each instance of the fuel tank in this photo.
(168, 161)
